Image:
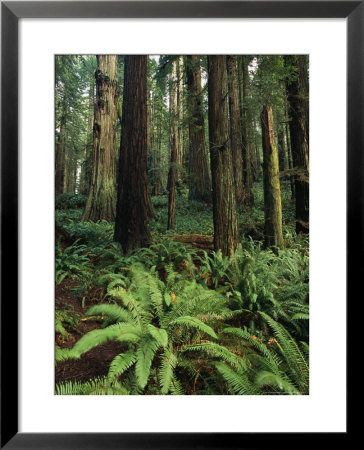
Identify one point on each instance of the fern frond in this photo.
(291, 352)
(216, 351)
(265, 378)
(97, 386)
(145, 354)
(114, 313)
(169, 362)
(121, 363)
(237, 383)
(193, 322)
(160, 335)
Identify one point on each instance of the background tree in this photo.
(235, 126)
(199, 176)
(101, 200)
(173, 144)
(272, 190)
(132, 218)
(297, 97)
(223, 187)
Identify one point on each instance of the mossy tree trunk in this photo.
(173, 146)
(199, 177)
(223, 185)
(180, 109)
(132, 218)
(235, 126)
(101, 201)
(272, 191)
(298, 101)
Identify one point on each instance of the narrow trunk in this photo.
(289, 150)
(297, 96)
(86, 170)
(101, 202)
(199, 177)
(223, 187)
(173, 142)
(180, 149)
(281, 151)
(235, 129)
(247, 153)
(132, 222)
(272, 191)
(60, 158)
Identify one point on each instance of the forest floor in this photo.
(85, 252)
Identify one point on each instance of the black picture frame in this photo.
(11, 12)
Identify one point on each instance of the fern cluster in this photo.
(174, 332)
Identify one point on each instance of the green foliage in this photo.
(72, 263)
(97, 386)
(66, 319)
(277, 366)
(70, 201)
(162, 337)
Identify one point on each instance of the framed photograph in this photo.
(81, 78)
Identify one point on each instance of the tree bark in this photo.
(132, 219)
(60, 159)
(199, 177)
(281, 151)
(272, 191)
(173, 145)
(101, 202)
(247, 151)
(235, 126)
(180, 149)
(86, 171)
(298, 99)
(223, 188)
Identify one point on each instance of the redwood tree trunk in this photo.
(173, 145)
(247, 150)
(223, 186)
(86, 171)
(272, 190)
(132, 223)
(101, 201)
(199, 177)
(235, 126)
(60, 159)
(297, 96)
(281, 151)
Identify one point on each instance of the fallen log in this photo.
(196, 240)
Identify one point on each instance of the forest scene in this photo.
(181, 225)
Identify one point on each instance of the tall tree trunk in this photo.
(173, 145)
(223, 187)
(132, 219)
(281, 150)
(272, 190)
(297, 96)
(247, 152)
(86, 169)
(199, 177)
(157, 181)
(101, 202)
(257, 151)
(289, 150)
(180, 149)
(60, 158)
(235, 126)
